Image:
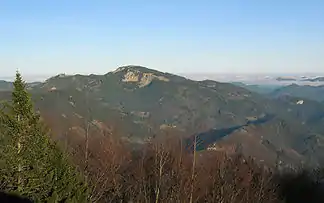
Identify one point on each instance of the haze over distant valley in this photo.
(261, 79)
(253, 79)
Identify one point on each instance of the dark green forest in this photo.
(31, 164)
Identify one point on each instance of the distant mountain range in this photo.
(262, 89)
(264, 122)
(263, 79)
(4, 85)
(316, 79)
(303, 78)
(307, 92)
(315, 93)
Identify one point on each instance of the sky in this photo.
(45, 37)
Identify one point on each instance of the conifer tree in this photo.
(31, 164)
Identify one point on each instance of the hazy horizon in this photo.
(254, 78)
(239, 37)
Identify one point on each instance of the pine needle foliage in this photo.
(31, 164)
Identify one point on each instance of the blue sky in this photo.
(45, 37)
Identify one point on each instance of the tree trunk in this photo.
(193, 169)
(19, 158)
(86, 154)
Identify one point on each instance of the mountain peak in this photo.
(141, 75)
(136, 68)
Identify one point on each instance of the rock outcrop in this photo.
(142, 79)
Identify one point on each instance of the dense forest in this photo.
(106, 169)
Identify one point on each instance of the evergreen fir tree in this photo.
(31, 164)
